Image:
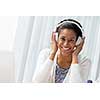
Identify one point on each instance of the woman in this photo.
(62, 63)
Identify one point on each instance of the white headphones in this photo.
(68, 21)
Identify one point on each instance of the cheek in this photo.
(59, 44)
(72, 45)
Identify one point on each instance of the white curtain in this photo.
(33, 34)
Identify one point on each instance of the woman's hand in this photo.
(54, 46)
(77, 50)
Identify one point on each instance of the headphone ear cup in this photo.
(56, 36)
(79, 40)
(57, 28)
(56, 32)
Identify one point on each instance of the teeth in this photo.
(66, 48)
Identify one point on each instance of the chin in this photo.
(66, 54)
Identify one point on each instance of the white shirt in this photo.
(45, 69)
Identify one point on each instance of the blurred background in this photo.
(23, 37)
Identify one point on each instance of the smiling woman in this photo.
(33, 35)
(63, 63)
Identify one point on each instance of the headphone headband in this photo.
(67, 21)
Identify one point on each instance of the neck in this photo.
(64, 61)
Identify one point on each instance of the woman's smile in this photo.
(66, 50)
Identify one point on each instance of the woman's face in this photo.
(66, 41)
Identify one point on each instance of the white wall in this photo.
(7, 67)
(8, 26)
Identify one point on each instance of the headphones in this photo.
(73, 22)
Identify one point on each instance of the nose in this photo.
(66, 43)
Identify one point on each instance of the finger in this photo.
(75, 48)
(52, 36)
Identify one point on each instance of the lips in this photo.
(66, 49)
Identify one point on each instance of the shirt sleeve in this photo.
(79, 72)
(75, 75)
(85, 68)
(43, 68)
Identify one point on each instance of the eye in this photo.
(72, 40)
(62, 38)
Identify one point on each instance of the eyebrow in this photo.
(65, 37)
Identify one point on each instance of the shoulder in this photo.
(42, 56)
